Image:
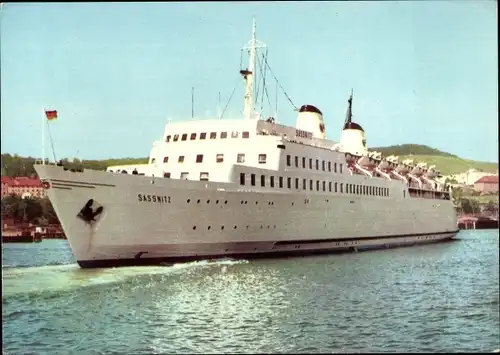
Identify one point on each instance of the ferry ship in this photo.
(248, 188)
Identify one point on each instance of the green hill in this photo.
(446, 163)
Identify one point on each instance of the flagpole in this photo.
(43, 138)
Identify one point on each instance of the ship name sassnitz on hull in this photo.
(153, 198)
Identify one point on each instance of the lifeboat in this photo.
(402, 168)
(419, 169)
(431, 172)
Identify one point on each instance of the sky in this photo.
(423, 72)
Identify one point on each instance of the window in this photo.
(240, 158)
(311, 185)
(296, 183)
(213, 135)
(165, 160)
(252, 179)
(330, 166)
(223, 135)
(203, 135)
(281, 181)
(323, 165)
(245, 135)
(296, 161)
(262, 158)
(317, 185)
(304, 184)
(181, 159)
(219, 158)
(303, 163)
(288, 160)
(166, 175)
(330, 186)
(168, 138)
(262, 180)
(199, 158)
(336, 190)
(203, 176)
(271, 181)
(317, 164)
(176, 137)
(193, 136)
(242, 178)
(340, 168)
(358, 190)
(289, 182)
(184, 136)
(324, 185)
(334, 167)
(184, 176)
(234, 134)
(310, 163)
(341, 187)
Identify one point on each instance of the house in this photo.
(487, 185)
(22, 186)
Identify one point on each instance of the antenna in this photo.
(192, 101)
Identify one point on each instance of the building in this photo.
(487, 185)
(22, 186)
(467, 178)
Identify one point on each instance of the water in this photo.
(435, 298)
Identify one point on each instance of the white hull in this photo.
(229, 220)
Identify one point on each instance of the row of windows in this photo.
(306, 184)
(203, 135)
(219, 158)
(303, 161)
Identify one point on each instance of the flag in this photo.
(51, 115)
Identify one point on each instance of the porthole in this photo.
(242, 202)
(256, 202)
(268, 226)
(261, 226)
(194, 227)
(225, 202)
(208, 201)
(246, 202)
(222, 227)
(235, 227)
(198, 201)
(293, 203)
(188, 200)
(247, 227)
(209, 227)
(216, 202)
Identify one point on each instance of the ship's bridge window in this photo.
(223, 135)
(181, 159)
(168, 138)
(165, 160)
(245, 135)
(203, 135)
(234, 134)
(219, 158)
(176, 137)
(289, 160)
(262, 158)
(193, 136)
(240, 158)
(204, 176)
(199, 158)
(213, 135)
(184, 136)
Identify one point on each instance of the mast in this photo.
(348, 116)
(249, 74)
